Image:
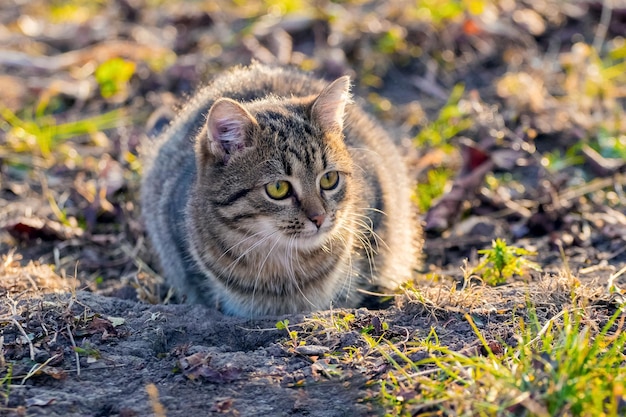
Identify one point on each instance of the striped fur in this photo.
(224, 242)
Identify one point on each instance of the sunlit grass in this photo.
(440, 12)
(77, 11)
(451, 120)
(44, 137)
(113, 76)
(431, 188)
(562, 367)
(501, 262)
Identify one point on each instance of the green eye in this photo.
(278, 189)
(329, 180)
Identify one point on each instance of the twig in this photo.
(376, 294)
(38, 367)
(595, 185)
(618, 332)
(603, 26)
(610, 285)
(564, 258)
(30, 344)
(2, 360)
(545, 328)
(69, 332)
(98, 53)
(157, 406)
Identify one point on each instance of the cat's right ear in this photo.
(228, 127)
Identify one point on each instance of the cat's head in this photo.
(279, 166)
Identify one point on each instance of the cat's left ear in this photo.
(330, 106)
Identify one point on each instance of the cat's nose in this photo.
(318, 219)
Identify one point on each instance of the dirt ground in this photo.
(86, 325)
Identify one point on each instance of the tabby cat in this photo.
(273, 193)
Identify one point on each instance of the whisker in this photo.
(239, 243)
(368, 226)
(349, 273)
(365, 244)
(230, 269)
(258, 277)
(293, 246)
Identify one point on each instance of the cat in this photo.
(273, 193)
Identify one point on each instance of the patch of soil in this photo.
(201, 362)
(87, 354)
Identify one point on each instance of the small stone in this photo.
(312, 350)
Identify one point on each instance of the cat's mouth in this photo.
(309, 239)
(313, 234)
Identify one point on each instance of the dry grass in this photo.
(33, 279)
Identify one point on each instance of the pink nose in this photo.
(318, 219)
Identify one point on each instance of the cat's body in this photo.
(270, 203)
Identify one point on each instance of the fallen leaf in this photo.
(116, 321)
(495, 347)
(97, 325)
(197, 366)
(39, 402)
(222, 406)
(54, 372)
(325, 368)
(476, 164)
(33, 228)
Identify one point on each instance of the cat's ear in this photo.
(329, 107)
(228, 125)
